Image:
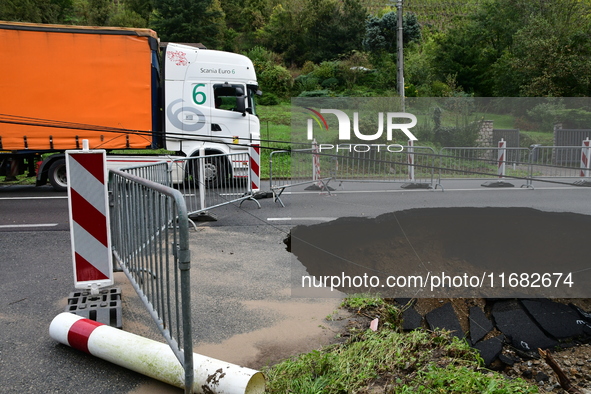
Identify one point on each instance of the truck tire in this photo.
(216, 171)
(223, 172)
(57, 175)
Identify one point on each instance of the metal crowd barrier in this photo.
(211, 181)
(150, 241)
(289, 169)
(416, 166)
(156, 172)
(412, 165)
(484, 163)
(205, 181)
(350, 163)
(562, 162)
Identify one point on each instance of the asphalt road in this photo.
(243, 309)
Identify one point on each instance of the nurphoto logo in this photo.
(389, 122)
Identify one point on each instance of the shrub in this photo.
(277, 80)
(268, 99)
(315, 93)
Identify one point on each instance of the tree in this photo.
(282, 34)
(189, 21)
(551, 63)
(381, 33)
(141, 7)
(35, 11)
(315, 30)
(126, 17)
(519, 47)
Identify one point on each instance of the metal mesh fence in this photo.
(149, 227)
(213, 180)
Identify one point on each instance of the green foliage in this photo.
(268, 99)
(419, 361)
(381, 33)
(126, 17)
(36, 11)
(554, 63)
(363, 301)
(306, 83)
(316, 93)
(464, 131)
(272, 78)
(314, 30)
(189, 21)
(460, 380)
(276, 79)
(523, 47)
(141, 7)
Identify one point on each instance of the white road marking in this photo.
(34, 198)
(318, 219)
(28, 225)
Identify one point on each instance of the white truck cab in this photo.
(209, 101)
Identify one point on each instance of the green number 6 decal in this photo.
(199, 97)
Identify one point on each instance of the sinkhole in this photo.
(447, 252)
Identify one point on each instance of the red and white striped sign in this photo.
(316, 164)
(411, 161)
(89, 219)
(502, 152)
(586, 158)
(255, 168)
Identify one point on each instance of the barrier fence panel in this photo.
(156, 172)
(558, 162)
(350, 163)
(300, 167)
(378, 164)
(500, 162)
(211, 181)
(150, 239)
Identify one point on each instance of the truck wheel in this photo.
(215, 171)
(57, 175)
(212, 171)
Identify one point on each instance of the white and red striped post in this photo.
(255, 167)
(411, 161)
(586, 158)
(151, 358)
(89, 218)
(316, 164)
(502, 158)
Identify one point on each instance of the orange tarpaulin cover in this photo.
(74, 81)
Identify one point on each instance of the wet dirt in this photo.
(243, 311)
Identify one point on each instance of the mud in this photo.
(243, 311)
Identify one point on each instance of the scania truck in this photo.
(120, 89)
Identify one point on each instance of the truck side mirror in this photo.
(240, 101)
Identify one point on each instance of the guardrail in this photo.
(150, 240)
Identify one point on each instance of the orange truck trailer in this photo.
(115, 87)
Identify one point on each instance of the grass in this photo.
(20, 180)
(420, 361)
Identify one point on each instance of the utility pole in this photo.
(400, 62)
